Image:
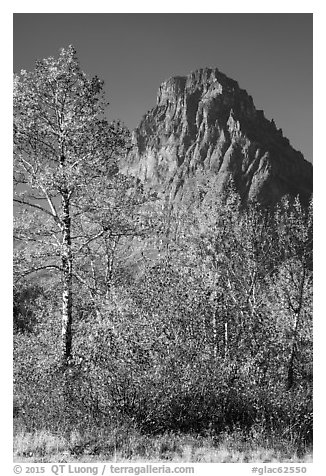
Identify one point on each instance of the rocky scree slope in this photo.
(204, 123)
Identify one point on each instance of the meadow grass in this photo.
(128, 444)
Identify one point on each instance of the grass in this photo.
(128, 445)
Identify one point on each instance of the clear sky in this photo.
(270, 55)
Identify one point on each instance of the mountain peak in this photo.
(205, 122)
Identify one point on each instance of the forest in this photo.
(140, 323)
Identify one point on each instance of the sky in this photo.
(270, 55)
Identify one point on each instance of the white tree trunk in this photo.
(66, 257)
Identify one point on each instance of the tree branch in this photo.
(98, 235)
(53, 209)
(40, 268)
(33, 205)
(38, 207)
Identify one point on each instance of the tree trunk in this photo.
(290, 374)
(297, 312)
(226, 343)
(214, 325)
(66, 257)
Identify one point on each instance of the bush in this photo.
(193, 344)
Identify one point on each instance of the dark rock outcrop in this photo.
(205, 123)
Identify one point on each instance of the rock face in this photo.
(205, 123)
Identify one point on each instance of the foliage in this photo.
(72, 208)
(202, 341)
(186, 319)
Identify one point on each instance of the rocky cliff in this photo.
(206, 123)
